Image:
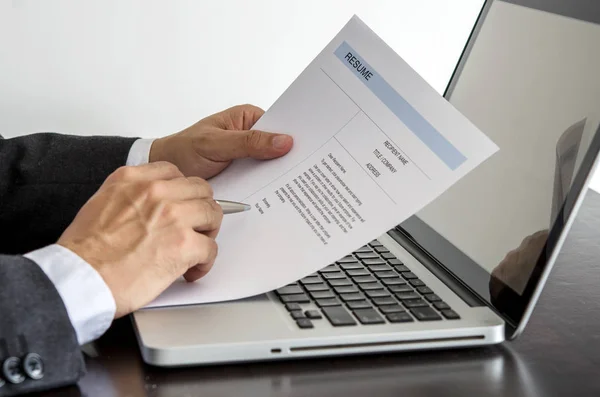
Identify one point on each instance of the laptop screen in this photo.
(531, 82)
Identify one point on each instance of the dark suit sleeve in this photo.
(45, 178)
(37, 339)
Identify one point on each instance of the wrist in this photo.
(87, 298)
(158, 150)
(90, 252)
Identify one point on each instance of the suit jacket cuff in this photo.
(87, 299)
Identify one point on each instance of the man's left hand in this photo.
(209, 146)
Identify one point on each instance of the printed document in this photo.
(373, 144)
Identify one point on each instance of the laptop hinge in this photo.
(403, 238)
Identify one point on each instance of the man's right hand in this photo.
(144, 228)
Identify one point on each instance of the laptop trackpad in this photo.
(251, 319)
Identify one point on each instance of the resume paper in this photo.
(373, 144)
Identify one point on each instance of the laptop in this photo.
(465, 271)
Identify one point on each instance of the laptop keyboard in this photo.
(369, 286)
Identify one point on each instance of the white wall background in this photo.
(150, 68)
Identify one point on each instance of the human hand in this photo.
(209, 146)
(144, 228)
(516, 267)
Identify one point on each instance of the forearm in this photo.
(45, 178)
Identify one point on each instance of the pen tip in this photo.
(247, 207)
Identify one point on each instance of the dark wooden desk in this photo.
(558, 355)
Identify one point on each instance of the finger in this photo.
(196, 273)
(160, 170)
(241, 117)
(260, 145)
(180, 189)
(202, 254)
(200, 270)
(203, 216)
(250, 115)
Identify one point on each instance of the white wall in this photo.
(150, 68)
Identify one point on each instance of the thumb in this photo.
(256, 144)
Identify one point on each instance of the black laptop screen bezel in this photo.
(511, 306)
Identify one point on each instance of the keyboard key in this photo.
(358, 272)
(401, 268)
(388, 274)
(347, 259)
(322, 294)
(387, 309)
(441, 305)
(368, 316)
(348, 289)
(364, 248)
(393, 281)
(352, 265)
(313, 314)
(424, 290)
(450, 314)
(400, 317)
(304, 323)
(432, 297)
(365, 279)
(409, 275)
(425, 314)
(328, 302)
(415, 282)
(332, 276)
(370, 286)
(340, 282)
(297, 314)
(359, 305)
(414, 303)
(394, 261)
(379, 268)
(378, 293)
(311, 280)
(375, 243)
(388, 255)
(384, 301)
(400, 288)
(289, 290)
(338, 316)
(407, 295)
(381, 250)
(316, 287)
(329, 269)
(297, 298)
(366, 255)
(352, 297)
(372, 262)
(292, 306)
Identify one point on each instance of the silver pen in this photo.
(231, 207)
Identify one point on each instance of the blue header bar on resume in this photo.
(400, 107)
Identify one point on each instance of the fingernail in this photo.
(280, 141)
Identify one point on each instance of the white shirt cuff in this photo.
(140, 152)
(88, 300)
